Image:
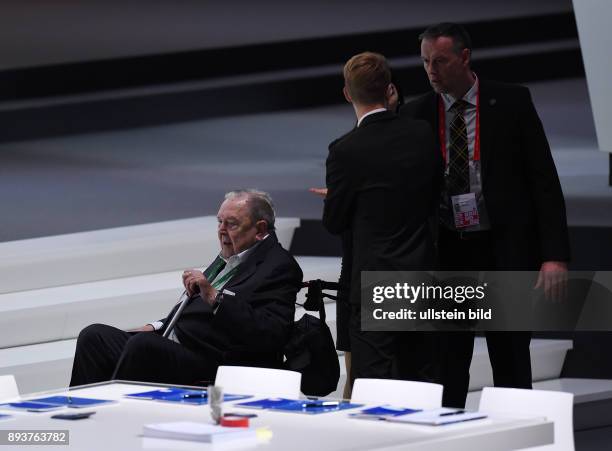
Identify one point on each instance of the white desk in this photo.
(119, 427)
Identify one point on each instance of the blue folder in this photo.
(72, 401)
(30, 406)
(181, 396)
(383, 412)
(267, 403)
(315, 407)
(306, 406)
(158, 394)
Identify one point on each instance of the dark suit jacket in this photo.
(520, 184)
(253, 326)
(382, 185)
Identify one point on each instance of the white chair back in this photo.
(260, 381)
(419, 395)
(555, 406)
(8, 387)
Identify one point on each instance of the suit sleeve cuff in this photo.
(157, 325)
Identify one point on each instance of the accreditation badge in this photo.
(465, 210)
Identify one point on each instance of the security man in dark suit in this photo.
(239, 310)
(499, 169)
(382, 186)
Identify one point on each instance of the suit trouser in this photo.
(343, 306)
(104, 353)
(387, 355)
(508, 351)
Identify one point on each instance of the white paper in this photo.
(436, 417)
(201, 432)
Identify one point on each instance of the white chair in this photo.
(420, 395)
(555, 406)
(8, 387)
(260, 381)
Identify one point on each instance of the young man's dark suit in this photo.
(250, 328)
(526, 210)
(382, 186)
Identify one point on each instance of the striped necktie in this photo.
(458, 179)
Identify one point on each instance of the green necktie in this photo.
(214, 269)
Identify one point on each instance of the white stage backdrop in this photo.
(593, 20)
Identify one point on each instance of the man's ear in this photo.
(391, 90)
(466, 56)
(391, 97)
(347, 96)
(262, 229)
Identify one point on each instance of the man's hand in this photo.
(191, 279)
(195, 282)
(319, 191)
(553, 279)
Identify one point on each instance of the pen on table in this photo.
(322, 404)
(195, 395)
(456, 412)
(241, 415)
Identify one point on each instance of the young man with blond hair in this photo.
(383, 185)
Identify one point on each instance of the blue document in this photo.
(30, 406)
(307, 406)
(316, 407)
(197, 398)
(267, 403)
(182, 396)
(383, 412)
(159, 394)
(72, 401)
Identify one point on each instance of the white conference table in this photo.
(119, 427)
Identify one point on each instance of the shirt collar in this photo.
(470, 96)
(236, 259)
(377, 110)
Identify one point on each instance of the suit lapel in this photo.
(488, 104)
(431, 115)
(247, 270)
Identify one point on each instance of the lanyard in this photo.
(215, 269)
(442, 128)
(218, 283)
